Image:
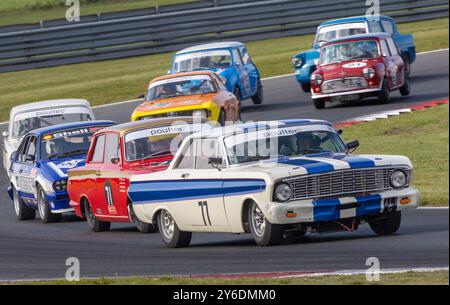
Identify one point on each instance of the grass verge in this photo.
(423, 136)
(407, 278)
(32, 11)
(124, 79)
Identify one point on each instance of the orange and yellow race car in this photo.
(200, 93)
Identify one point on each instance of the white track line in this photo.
(359, 272)
(263, 79)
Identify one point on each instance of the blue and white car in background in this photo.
(305, 62)
(271, 179)
(230, 60)
(27, 117)
(38, 173)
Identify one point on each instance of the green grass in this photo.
(407, 278)
(123, 79)
(423, 136)
(31, 11)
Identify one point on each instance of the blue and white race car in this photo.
(38, 172)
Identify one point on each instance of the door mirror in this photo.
(238, 65)
(13, 156)
(141, 96)
(115, 160)
(29, 158)
(384, 55)
(340, 131)
(215, 161)
(353, 145)
(5, 134)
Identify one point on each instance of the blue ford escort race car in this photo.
(38, 172)
(230, 60)
(305, 63)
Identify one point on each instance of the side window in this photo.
(22, 149)
(31, 148)
(112, 148)
(187, 159)
(388, 27)
(375, 27)
(245, 56)
(205, 149)
(392, 46)
(385, 48)
(97, 155)
(237, 57)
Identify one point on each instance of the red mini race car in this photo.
(357, 67)
(98, 190)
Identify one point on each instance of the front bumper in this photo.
(363, 93)
(303, 74)
(59, 203)
(307, 211)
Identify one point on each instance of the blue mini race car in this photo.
(230, 60)
(38, 172)
(305, 62)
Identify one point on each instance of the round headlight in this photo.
(199, 113)
(369, 73)
(297, 62)
(398, 179)
(317, 78)
(283, 192)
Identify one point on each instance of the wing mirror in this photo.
(215, 162)
(13, 156)
(29, 158)
(141, 96)
(5, 134)
(384, 55)
(353, 145)
(340, 131)
(115, 160)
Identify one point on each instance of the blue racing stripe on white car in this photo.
(311, 166)
(356, 161)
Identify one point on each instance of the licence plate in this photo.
(345, 98)
(390, 205)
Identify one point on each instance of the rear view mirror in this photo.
(353, 145)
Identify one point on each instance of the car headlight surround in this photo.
(398, 179)
(369, 73)
(60, 185)
(283, 192)
(317, 79)
(297, 62)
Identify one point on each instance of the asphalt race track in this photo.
(31, 250)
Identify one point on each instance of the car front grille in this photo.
(185, 113)
(344, 84)
(341, 183)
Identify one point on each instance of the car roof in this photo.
(181, 74)
(352, 19)
(126, 127)
(59, 127)
(212, 46)
(49, 104)
(249, 127)
(358, 37)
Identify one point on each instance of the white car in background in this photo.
(28, 117)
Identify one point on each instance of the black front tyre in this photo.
(23, 212)
(259, 96)
(388, 225)
(384, 96)
(44, 209)
(171, 235)
(237, 93)
(319, 104)
(406, 88)
(264, 233)
(407, 65)
(145, 227)
(95, 224)
(221, 120)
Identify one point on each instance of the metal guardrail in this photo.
(164, 29)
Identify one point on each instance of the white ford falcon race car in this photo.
(272, 179)
(28, 117)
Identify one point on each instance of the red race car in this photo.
(98, 190)
(357, 67)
